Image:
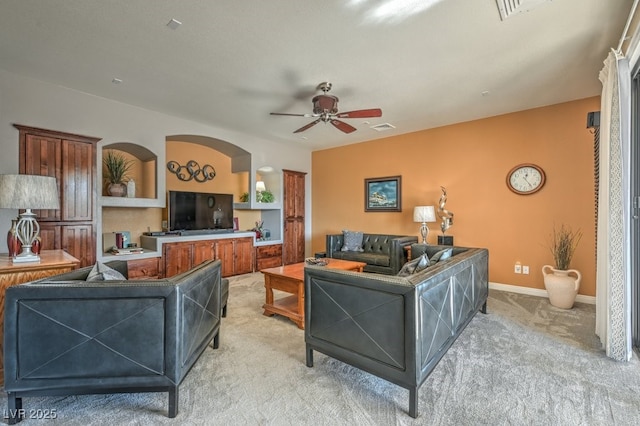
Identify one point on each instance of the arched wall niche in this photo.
(246, 172)
(242, 164)
(143, 171)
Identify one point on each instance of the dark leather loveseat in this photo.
(65, 336)
(397, 328)
(383, 254)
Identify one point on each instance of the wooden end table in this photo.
(290, 279)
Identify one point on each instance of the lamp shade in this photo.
(424, 214)
(260, 186)
(28, 192)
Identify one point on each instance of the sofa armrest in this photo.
(199, 310)
(399, 255)
(334, 243)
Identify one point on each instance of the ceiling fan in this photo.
(325, 107)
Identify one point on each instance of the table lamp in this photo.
(260, 188)
(28, 192)
(424, 214)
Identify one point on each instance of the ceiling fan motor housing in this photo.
(325, 104)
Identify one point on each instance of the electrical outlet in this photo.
(525, 269)
(518, 268)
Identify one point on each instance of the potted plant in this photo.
(562, 283)
(116, 173)
(265, 196)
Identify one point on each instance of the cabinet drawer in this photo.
(268, 262)
(143, 268)
(273, 250)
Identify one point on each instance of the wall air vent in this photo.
(509, 8)
(383, 127)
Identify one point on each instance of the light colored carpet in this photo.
(524, 363)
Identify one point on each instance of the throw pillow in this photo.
(443, 254)
(413, 266)
(352, 241)
(101, 272)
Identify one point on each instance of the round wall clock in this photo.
(525, 179)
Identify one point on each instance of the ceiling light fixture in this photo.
(116, 80)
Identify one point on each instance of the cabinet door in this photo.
(243, 256)
(202, 251)
(224, 252)
(50, 236)
(78, 192)
(293, 240)
(177, 258)
(42, 155)
(78, 241)
(293, 194)
(142, 269)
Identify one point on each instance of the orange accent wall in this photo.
(472, 160)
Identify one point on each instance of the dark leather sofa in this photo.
(65, 336)
(383, 254)
(397, 328)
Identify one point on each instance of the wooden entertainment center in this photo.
(181, 253)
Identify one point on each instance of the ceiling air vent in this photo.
(383, 127)
(509, 8)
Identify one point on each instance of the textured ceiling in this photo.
(425, 63)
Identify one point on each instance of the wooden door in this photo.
(243, 256)
(294, 217)
(177, 258)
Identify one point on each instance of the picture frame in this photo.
(383, 194)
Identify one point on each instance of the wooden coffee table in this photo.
(290, 279)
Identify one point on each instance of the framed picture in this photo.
(383, 194)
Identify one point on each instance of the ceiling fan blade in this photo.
(361, 113)
(293, 115)
(341, 125)
(303, 128)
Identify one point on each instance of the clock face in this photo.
(525, 179)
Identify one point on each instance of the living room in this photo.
(471, 159)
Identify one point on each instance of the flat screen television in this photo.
(200, 210)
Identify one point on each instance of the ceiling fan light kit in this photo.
(325, 107)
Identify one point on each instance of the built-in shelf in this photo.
(257, 206)
(132, 202)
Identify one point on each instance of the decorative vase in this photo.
(562, 286)
(13, 243)
(37, 245)
(117, 189)
(131, 188)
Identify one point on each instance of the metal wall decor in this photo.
(444, 214)
(192, 170)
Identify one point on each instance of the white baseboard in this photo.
(536, 292)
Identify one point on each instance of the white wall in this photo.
(35, 103)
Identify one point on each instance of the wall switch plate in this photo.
(525, 270)
(518, 268)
